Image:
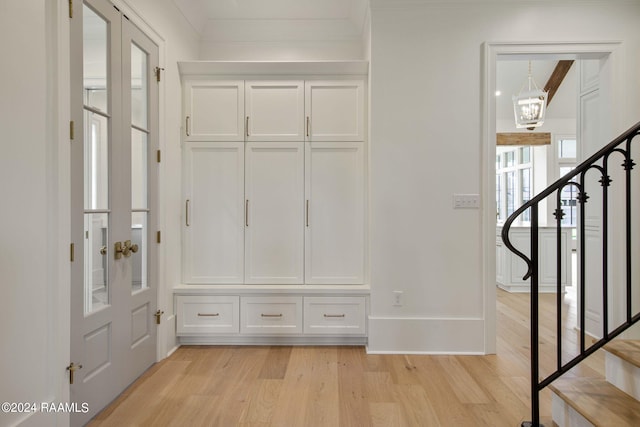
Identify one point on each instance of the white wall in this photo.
(426, 145)
(34, 223)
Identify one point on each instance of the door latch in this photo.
(72, 368)
(158, 315)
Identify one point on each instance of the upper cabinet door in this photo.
(214, 110)
(335, 110)
(274, 110)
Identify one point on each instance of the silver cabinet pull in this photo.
(271, 315)
(187, 212)
(247, 125)
(307, 126)
(307, 214)
(333, 315)
(208, 314)
(246, 212)
(186, 127)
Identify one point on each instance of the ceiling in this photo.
(275, 20)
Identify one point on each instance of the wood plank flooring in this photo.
(344, 386)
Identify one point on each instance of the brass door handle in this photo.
(103, 250)
(158, 315)
(124, 249)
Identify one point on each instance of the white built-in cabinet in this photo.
(274, 207)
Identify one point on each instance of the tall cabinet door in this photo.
(274, 110)
(334, 110)
(214, 110)
(274, 209)
(334, 218)
(214, 213)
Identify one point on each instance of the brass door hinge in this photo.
(159, 236)
(158, 72)
(72, 130)
(72, 252)
(70, 8)
(158, 156)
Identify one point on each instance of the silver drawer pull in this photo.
(208, 314)
(271, 315)
(334, 315)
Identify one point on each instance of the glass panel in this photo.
(498, 197)
(96, 161)
(139, 258)
(525, 155)
(95, 32)
(511, 178)
(139, 157)
(96, 232)
(567, 148)
(525, 191)
(509, 158)
(498, 165)
(138, 87)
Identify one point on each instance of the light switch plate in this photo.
(466, 201)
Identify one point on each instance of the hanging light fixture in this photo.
(529, 105)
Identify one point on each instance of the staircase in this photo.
(613, 401)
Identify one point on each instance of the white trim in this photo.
(491, 51)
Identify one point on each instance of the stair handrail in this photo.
(532, 262)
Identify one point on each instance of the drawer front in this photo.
(271, 315)
(202, 314)
(335, 316)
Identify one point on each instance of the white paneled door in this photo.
(113, 199)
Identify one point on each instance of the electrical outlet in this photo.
(397, 298)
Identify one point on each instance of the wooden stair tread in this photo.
(627, 350)
(598, 401)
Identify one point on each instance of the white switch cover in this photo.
(466, 201)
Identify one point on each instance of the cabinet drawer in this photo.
(271, 315)
(335, 316)
(201, 314)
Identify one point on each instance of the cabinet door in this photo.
(334, 221)
(274, 187)
(214, 213)
(214, 110)
(335, 110)
(274, 110)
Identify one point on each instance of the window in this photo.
(513, 181)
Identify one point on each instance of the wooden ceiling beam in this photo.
(558, 75)
(522, 138)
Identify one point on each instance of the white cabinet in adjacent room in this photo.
(274, 205)
(214, 212)
(334, 110)
(274, 110)
(214, 110)
(334, 226)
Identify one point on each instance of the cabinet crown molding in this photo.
(274, 68)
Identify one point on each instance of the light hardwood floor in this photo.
(344, 386)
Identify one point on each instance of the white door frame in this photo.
(491, 52)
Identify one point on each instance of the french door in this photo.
(114, 106)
